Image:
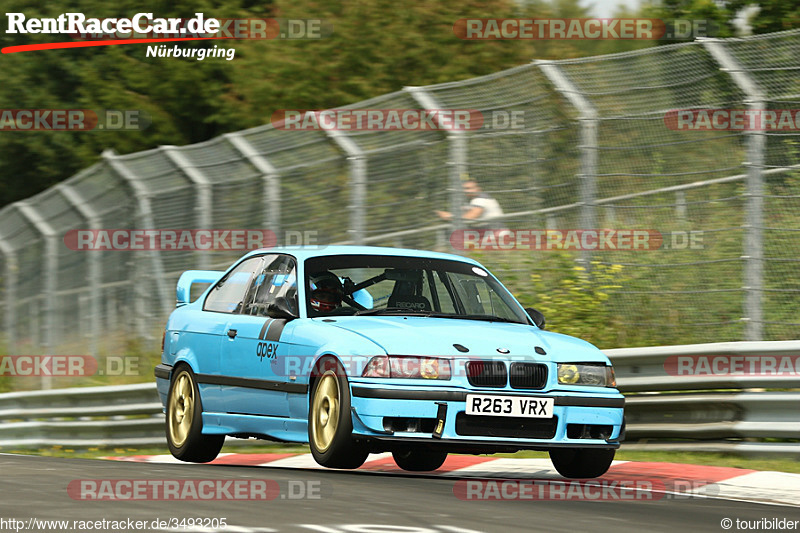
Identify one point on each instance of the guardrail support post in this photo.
(203, 194)
(457, 163)
(754, 217)
(51, 308)
(589, 121)
(144, 215)
(271, 195)
(358, 184)
(95, 274)
(10, 300)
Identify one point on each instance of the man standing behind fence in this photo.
(482, 208)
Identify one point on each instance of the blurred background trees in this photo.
(377, 46)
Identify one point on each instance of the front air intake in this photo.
(486, 373)
(528, 375)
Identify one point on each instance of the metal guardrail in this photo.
(126, 415)
(642, 369)
(663, 411)
(738, 412)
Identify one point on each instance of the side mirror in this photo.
(536, 316)
(282, 307)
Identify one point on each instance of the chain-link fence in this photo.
(593, 150)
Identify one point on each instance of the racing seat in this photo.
(405, 294)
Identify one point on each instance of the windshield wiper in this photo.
(487, 318)
(393, 311)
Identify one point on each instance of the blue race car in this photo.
(359, 350)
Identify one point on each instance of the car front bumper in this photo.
(436, 416)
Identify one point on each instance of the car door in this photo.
(253, 353)
(206, 329)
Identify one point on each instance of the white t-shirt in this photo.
(491, 208)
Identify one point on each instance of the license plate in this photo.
(518, 406)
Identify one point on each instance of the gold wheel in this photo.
(181, 409)
(325, 411)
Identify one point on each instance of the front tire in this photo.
(184, 425)
(582, 463)
(330, 425)
(419, 460)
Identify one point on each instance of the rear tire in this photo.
(582, 463)
(330, 424)
(184, 424)
(419, 460)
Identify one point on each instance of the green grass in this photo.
(699, 458)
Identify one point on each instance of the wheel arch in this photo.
(318, 368)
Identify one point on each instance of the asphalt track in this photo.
(359, 502)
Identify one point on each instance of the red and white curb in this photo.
(704, 481)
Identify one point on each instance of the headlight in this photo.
(395, 366)
(597, 375)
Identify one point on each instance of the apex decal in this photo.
(266, 349)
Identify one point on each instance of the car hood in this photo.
(436, 337)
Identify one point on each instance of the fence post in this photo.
(587, 115)
(95, 274)
(754, 217)
(271, 195)
(358, 184)
(50, 299)
(144, 215)
(10, 301)
(202, 195)
(458, 152)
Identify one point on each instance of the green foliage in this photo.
(772, 15)
(377, 47)
(577, 302)
(574, 300)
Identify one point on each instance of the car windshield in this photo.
(388, 285)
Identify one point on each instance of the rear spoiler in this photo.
(189, 278)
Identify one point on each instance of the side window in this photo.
(277, 278)
(470, 294)
(228, 294)
(478, 297)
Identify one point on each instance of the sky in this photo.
(605, 8)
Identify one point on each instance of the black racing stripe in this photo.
(594, 401)
(458, 396)
(275, 330)
(251, 383)
(399, 394)
(264, 329)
